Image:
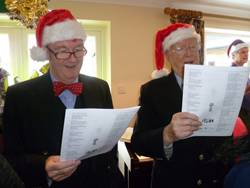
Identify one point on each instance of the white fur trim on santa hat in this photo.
(237, 47)
(159, 73)
(38, 54)
(66, 30)
(179, 35)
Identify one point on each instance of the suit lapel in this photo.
(92, 96)
(166, 95)
(175, 86)
(46, 93)
(80, 100)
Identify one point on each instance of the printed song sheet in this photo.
(215, 95)
(89, 132)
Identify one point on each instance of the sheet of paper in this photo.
(215, 95)
(89, 132)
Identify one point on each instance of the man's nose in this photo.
(188, 51)
(72, 57)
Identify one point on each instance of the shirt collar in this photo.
(179, 80)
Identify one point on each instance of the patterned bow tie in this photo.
(75, 88)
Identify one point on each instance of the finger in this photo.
(51, 165)
(63, 164)
(58, 178)
(51, 162)
(193, 128)
(60, 175)
(185, 131)
(63, 171)
(187, 115)
(67, 170)
(68, 164)
(194, 123)
(184, 135)
(52, 174)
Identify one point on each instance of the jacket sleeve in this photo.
(147, 136)
(24, 163)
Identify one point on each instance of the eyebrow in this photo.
(59, 48)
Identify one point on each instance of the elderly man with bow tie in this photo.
(35, 109)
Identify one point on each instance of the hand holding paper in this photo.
(215, 95)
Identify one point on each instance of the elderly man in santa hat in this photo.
(34, 111)
(162, 131)
(238, 51)
(238, 176)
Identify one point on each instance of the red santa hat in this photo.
(235, 46)
(57, 25)
(165, 38)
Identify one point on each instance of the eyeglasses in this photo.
(66, 55)
(182, 50)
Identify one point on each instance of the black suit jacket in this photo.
(192, 161)
(33, 126)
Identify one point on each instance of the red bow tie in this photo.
(75, 88)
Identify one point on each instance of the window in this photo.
(217, 42)
(5, 52)
(16, 41)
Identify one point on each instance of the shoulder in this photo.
(29, 85)
(158, 84)
(93, 84)
(89, 80)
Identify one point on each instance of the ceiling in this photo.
(235, 8)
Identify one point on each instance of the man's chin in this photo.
(71, 77)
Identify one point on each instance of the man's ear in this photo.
(167, 63)
(166, 54)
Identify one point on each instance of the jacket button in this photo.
(201, 157)
(45, 153)
(215, 181)
(199, 182)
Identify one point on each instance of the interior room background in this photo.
(125, 51)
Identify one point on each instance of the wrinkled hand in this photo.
(59, 170)
(182, 125)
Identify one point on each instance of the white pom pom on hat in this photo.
(57, 25)
(38, 54)
(235, 46)
(165, 38)
(159, 73)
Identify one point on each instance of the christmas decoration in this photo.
(27, 11)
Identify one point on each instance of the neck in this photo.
(68, 81)
(239, 63)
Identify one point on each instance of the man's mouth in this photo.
(70, 66)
